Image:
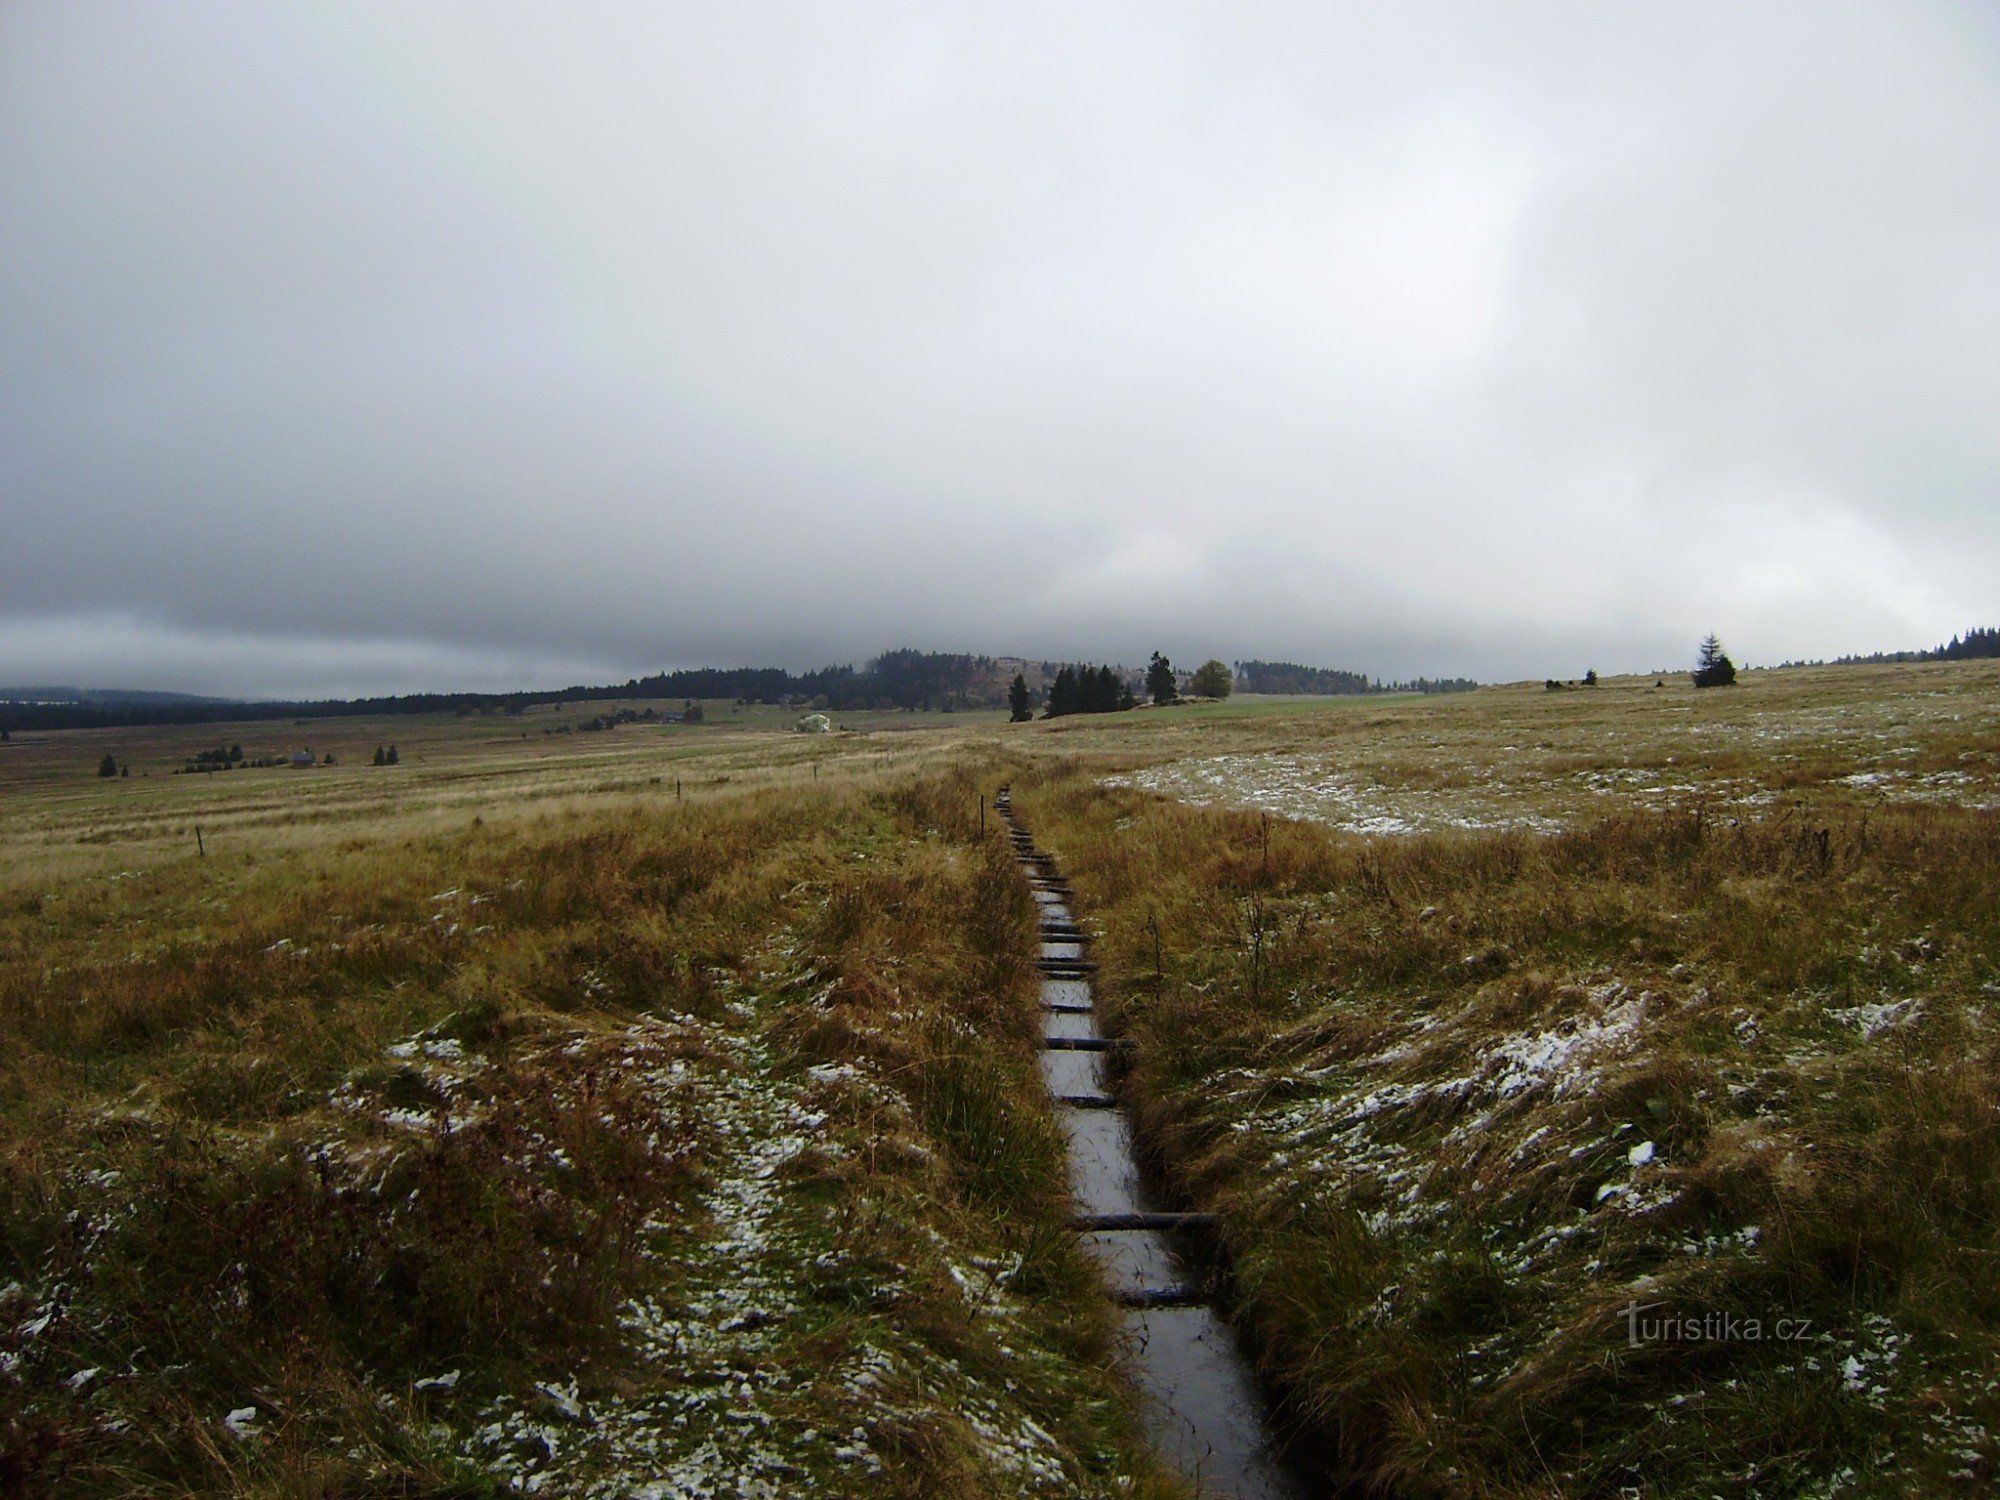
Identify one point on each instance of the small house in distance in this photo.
(302, 759)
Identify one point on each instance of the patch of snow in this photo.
(1871, 1020)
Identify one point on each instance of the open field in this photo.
(500, 1122)
(1572, 1141)
(59, 817)
(701, 1135)
(1528, 759)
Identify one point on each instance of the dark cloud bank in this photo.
(356, 349)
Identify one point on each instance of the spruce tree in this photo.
(1062, 694)
(1100, 690)
(1017, 700)
(1160, 682)
(1712, 667)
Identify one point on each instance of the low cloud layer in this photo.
(356, 349)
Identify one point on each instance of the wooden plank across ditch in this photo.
(1095, 1223)
(1207, 1419)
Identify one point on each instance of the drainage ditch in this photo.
(1204, 1412)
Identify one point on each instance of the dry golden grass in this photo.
(59, 819)
(1464, 1098)
(1751, 929)
(499, 1118)
(1524, 758)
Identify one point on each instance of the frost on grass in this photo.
(1519, 799)
(1399, 1128)
(764, 1358)
(1472, 1157)
(763, 1342)
(1311, 787)
(1438, 774)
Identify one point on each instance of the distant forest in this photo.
(1088, 690)
(1290, 677)
(1974, 643)
(938, 680)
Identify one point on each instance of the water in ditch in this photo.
(1204, 1412)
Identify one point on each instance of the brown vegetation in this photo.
(602, 1141)
(557, 1105)
(1526, 1146)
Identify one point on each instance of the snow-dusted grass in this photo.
(1497, 763)
(1528, 760)
(1656, 1156)
(1316, 787)
(675, 1151)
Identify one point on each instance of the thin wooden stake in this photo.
(200, 848)
(1256, 947)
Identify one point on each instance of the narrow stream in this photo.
(1204, 1411)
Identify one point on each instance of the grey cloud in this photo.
(1413, 339)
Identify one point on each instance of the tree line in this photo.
(1290, 677)
(902, 678)
(1086, 690)
(896, 679)
(1106, 689)
(1977, 643)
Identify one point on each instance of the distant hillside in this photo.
(124, 697)
(1290, 677)
(1973, 644)
(939, 681)
(903, 678)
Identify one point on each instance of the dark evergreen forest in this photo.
(1290, 677)
(1088, 690)
(904, 678)
(1975, 643)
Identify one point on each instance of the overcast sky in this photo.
(375, 348)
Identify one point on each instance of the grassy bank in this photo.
(605, 1145)
(1655, 1156)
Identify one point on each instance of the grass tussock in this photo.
(1659, 1156)
(694, 1144)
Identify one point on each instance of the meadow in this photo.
(1597, 1090)
(578, 1112)
(506, 1121)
